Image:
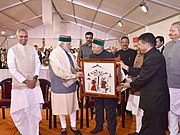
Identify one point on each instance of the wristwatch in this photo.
(35, 77)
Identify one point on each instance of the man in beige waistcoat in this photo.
(26, 95)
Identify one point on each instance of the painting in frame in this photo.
(99, 77)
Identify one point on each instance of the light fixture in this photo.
(144, 7)
(3, 32)
(120, 23)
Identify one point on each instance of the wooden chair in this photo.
(45, 85)
(5, 101)
(89, 105)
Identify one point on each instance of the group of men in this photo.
(157, 81)
(134, 58)
(157, 78)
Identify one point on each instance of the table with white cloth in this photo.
(44, 73)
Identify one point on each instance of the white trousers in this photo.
(174, 121)
(174, 113)
(27, 119)
(138, 123)
(133, 105)
(72, 120)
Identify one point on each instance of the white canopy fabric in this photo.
(102, 15)
(78, 16)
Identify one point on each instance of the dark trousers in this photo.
(110, 105)
(153, 123)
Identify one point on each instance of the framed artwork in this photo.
(99, 77)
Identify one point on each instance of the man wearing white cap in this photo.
(63, 84)
(26, 98)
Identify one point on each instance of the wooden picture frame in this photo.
(100, 77)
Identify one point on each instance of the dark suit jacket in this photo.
(127, 57)
(152, 83)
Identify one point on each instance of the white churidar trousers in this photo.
(174, 113)
(72, 120)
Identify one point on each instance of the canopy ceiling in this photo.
(102, 15)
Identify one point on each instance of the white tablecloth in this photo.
(44, 73)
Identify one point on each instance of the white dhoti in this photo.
(174, 113)
(26, 108)
(133, 105)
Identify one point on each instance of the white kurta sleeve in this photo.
(122, 74)
(12, 66)
(37, 64)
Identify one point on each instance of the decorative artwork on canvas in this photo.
(99, 78)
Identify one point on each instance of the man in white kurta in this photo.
(26, 95)
(63, 84)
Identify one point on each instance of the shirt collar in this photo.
(160, 48)
(88, 45)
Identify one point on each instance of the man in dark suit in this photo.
(160, 43)
(152, 82)
(127, 55)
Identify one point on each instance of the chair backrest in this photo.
(45, 85)
(6, 86)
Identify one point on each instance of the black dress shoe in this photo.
(64, 132)
(96, 130)
(135, 133)
(129, 114)
(76, 132)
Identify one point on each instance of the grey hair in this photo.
(60, 42)
(178, 24)
(19, 30)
